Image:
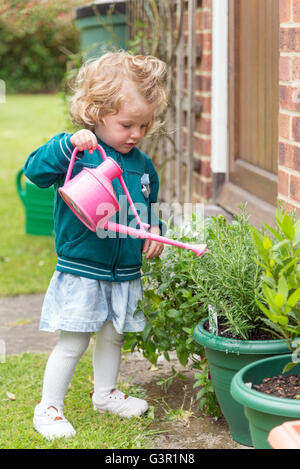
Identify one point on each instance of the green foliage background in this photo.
(36, 39)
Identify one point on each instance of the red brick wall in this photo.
(202, 178)
(289, 113)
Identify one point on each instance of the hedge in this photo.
(36, 39)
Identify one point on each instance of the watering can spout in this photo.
(198, 249)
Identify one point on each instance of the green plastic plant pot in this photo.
(39, 206)
(226, 357)
(102, 26)
(264, 411)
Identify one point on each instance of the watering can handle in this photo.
(20, 189)
(72, 160)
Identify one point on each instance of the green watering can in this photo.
(39, 204)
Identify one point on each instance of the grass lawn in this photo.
(26, 261)
(21, 380)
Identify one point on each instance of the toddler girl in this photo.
(97, 281)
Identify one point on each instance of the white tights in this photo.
(67, 353)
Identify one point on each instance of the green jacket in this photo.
(103, 255)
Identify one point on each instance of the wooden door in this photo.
(253, 107)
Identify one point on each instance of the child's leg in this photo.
(48, 417)
(61, 365)
(107, 357)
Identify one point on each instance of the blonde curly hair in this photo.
(99, 85)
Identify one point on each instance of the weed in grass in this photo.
(180, 415)
(19, 322)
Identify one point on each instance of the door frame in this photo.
(225, 193)
(219, 130)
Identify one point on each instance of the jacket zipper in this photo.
(116, 260)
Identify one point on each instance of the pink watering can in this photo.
(90, 195)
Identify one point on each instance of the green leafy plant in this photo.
(173, 306)
(206, 394)
(278, 255)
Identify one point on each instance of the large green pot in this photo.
(264, 411)
(226, 357)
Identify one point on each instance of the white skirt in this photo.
(80, 304)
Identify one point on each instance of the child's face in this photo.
(124, 130)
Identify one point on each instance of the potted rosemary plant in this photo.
(172, 307)
(234, 334)
(270, 388)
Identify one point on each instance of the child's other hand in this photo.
(152, 248)
(84, 140)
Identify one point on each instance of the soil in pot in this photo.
(257, 334)
(287, 386)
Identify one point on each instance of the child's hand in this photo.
(153, 248)
(84, 140)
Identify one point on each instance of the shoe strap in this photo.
(52, 410)
(119, 394)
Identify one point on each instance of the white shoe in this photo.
(51, 423)
(119, 403)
